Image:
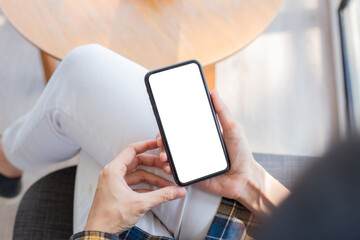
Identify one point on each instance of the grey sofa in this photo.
(46, 210)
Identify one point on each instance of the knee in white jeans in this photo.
(81, 61)
(97, 63)
(84, 53)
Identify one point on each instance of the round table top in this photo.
(153, 33)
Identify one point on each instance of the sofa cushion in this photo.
(46, 209)
(286, 169)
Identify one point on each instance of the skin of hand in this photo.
(246, 181)
(116, 207)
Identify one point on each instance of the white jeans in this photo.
(96, 103)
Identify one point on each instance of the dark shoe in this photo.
(9, 187)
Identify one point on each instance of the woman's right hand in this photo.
(246, 181)
(116, 207)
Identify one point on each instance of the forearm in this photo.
(262, 193)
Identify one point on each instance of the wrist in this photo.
(96, 227)
(102, 224)
(250, 196)
(262, 192)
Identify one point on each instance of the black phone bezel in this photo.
(162, 132)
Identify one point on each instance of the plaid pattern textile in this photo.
(135, 233)
(232, 221)
(93, 235)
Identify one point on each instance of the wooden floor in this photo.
(281, 87)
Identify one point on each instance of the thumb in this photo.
(163, 195)
(222, 111)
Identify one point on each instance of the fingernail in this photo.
(164, 157)
(180, 192)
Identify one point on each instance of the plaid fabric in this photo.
(232, 221)
(136, 233)
(93, 235)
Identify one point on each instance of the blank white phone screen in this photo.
(187, 121)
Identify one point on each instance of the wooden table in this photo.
(153, 33)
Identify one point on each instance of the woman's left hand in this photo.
(116, 207)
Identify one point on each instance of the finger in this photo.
(143, 146)
(141, 176)
(162, 153)
(142, 190)
(128, 155)
(163, 156)
(159, 140)
(167, 168)
(222, 111)
(164, 195)
(145, 160)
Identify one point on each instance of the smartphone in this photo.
(187, 122)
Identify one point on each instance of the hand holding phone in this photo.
(187, 122)
(231, 184)
(246, 181)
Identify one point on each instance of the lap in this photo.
(186, 218)
(96, 101)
